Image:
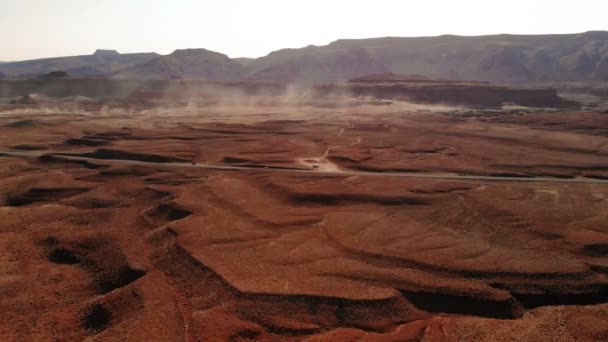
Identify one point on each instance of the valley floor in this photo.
(278, 221)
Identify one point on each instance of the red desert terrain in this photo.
(274, 219)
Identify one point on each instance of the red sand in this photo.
(158, 251)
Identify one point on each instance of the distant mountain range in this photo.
(190, 63)
(101, 63)
(496, 58)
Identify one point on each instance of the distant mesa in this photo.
(389, 77)
(55, 74)
(193, 51)
(102, 52)
(187, 64)
(100, 63)
(421, 89)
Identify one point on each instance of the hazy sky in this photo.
(253, 28)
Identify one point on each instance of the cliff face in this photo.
(498, 58)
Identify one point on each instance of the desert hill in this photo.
(189, 63)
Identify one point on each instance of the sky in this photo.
(239, 28)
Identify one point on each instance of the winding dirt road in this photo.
(452, 176)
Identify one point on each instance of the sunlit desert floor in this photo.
(318, 221)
